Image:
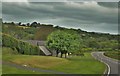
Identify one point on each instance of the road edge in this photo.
(108, 67)
(111, 58)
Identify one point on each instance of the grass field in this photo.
(113, 54)
(76, 64)
(12, 70)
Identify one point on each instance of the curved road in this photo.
(113, 65)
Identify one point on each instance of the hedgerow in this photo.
(21, 46)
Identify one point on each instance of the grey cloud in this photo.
(72, 0)
(64, 14)
(109, 4)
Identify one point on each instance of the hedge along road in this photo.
(113, 65)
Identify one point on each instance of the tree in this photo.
(12, 23)
(64, 41)
(34, 24)
(28, 24)
(19, 23)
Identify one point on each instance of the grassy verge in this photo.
(7, 69)
(113, 54)
(12, 70)
(76, 64)
(82, 65)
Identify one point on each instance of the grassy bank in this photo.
(6, 69)
(76, 64)
(12, 70)
(113, 54)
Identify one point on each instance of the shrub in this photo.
(8, 51)
(87, 49)
(22, 47)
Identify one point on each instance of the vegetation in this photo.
(43, 32)
(6, 69)
(63, 41)
(9, 51)
(19, 32)
(113, 54)
(90, 41)
(99, 41)
(60, 39)
(73, 65)
(20, 46)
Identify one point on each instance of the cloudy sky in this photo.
(90, 16)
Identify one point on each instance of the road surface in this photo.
(112, 64)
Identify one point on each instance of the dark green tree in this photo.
(63, 41)
(34, 24)
(28, 24)
(19, 23)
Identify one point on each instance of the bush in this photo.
(9, 41)
(34, 50)
(22, 47)
(8, 51)
(87, 49)
(113, 54)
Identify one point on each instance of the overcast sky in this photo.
(87, 15)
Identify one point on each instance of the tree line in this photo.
(33, 24)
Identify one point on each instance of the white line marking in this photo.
(103, 62)
(108, 66)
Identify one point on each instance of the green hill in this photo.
(91, 41)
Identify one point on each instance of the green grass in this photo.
(82, 65)
(8, 51)
(6, 69)
(113, 54)
(12, 70)
(76, 64)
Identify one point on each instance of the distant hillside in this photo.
(19, 32)
(36, 31)
(43, 32)
(39, 31)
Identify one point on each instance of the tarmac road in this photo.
(113, 65)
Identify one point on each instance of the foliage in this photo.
(113, 54)
(64, 41)
(9, 51)
(34, 24)
(43, 32)
(22, 47)
(90, 41)
(19, 32)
